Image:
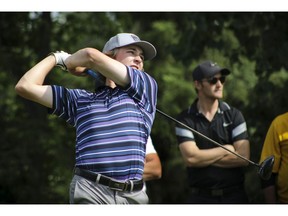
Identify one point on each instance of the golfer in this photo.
(112, 124)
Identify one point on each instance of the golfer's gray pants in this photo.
(83, 191)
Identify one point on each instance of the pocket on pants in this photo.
(139, 197)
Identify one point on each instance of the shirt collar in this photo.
(223, 106)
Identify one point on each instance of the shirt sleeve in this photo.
(64, 104)
(183, 134)
(239, 130)
(150, 147)
(143, 88)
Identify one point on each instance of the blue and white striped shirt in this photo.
(112, 125)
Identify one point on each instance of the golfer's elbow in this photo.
(21, 88)
(24, 89)
(92, 56)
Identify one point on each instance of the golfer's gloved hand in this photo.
(60, 59)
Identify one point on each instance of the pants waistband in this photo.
(128, 186)
(215, 192)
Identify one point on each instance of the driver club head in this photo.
(265, 168)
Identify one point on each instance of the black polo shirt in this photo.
(227, 126)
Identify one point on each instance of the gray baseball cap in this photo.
(208, 69)
(125, 39)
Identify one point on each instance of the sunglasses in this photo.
(214, 80)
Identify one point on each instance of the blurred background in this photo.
(37, 149)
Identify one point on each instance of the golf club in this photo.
(264, 169)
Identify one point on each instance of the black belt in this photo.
(130, 185)
(215, 192)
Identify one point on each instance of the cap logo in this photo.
(135, 38)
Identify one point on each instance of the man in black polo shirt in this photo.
(215, 175)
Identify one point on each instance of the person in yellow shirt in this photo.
(276, 143)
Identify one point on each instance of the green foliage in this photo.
(167, 30)
(279, 78)
(244, 79)
(37, 149)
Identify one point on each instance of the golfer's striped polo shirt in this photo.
(112, 125)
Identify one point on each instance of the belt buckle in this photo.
(118, 186)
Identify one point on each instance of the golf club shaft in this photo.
(207, 138)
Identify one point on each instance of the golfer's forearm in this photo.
(97, 61)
